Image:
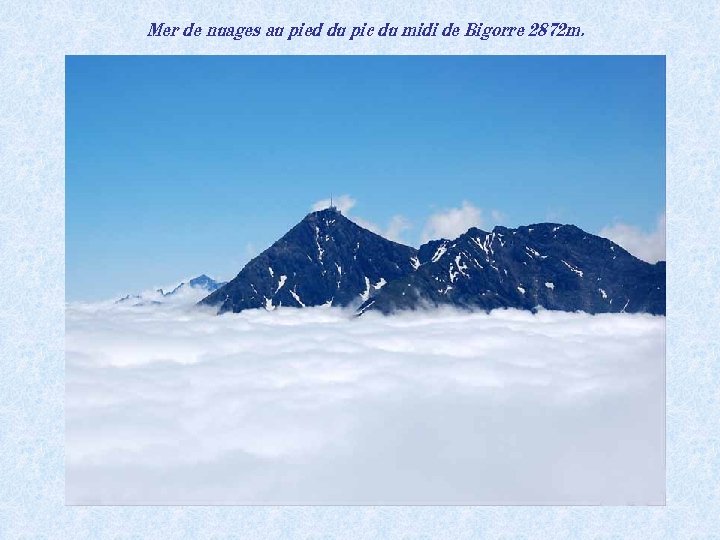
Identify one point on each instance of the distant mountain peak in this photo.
(206, 282)
(190, 291)
(201, 282)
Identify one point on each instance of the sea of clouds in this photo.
(174, 405)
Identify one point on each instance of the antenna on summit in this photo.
(332, 206)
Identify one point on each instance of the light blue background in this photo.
(35, 38)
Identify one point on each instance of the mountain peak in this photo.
(326, 259)
(330, 212)
(473, 231)
(546, 265)
(205, 281)
(203, 284)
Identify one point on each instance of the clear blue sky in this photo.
(181, 165)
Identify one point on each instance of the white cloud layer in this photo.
(176, 406)
(452, 222)
(648, 246)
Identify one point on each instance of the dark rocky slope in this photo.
(545, 265)
(326, 259)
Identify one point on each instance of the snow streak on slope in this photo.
(173, 406)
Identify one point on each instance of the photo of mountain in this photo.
(475, 316)
(305, 268)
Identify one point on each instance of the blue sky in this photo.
(181, 165)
